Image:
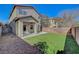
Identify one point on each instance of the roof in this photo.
(57, 19)
(18, 18)
(42, 15)
(21, 6)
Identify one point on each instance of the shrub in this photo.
(42, 47)
(60, 52)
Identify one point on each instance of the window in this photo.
(55, 22)
(24, 27)
(31, 26)
(23, 12)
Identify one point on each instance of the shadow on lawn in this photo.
(71, 46)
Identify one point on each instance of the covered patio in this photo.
(26, 26)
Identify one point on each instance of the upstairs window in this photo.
(22, 11)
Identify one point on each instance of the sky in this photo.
(50, 10)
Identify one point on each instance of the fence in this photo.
(0, 31)
(62, 30)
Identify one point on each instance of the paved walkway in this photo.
(32, 35)
(11, 44)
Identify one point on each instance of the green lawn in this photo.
(54, 41)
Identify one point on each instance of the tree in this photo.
(69, 17)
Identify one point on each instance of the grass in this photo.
(54, 41)
(71, 46)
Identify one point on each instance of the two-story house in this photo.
(56, 22)
(24, 20)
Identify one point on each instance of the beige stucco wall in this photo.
(28, 19)
(14, 14)
(17, 25)
(17, 28)
(30, 12)
(20, 29)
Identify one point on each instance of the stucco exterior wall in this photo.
(14, 14)
(17, 28)
(29, 11)
(29, 19)
(17, 25)
(20, 28)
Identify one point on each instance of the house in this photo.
(24, 20)
(44, 20)
(56, 22)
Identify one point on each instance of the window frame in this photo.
(22, 11)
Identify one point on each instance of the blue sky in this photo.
(51, 10)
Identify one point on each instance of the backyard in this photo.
(54, 41)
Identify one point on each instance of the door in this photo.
(31, 28)
(26, 29)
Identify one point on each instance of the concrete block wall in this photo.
(62, 30)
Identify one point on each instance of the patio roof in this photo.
(18, 18)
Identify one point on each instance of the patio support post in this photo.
(20, 29)
(35, 28)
